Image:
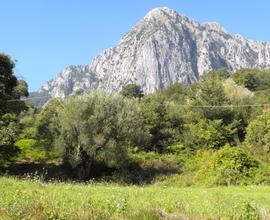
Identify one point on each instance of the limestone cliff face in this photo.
(162, 48)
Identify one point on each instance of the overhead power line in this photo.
(187, 106)
(225, 106)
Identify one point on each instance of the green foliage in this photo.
(98, 126)
(176, 93)
(258, 135)
(179, 121)
(235, 93)
(207, 134)
(47, 123)
(157, 161)
(253, 79)
(248, 78)
(210, 92)
(27, 123)
(164, 121)
(7, 81)
(219, 74)
(8, 135)
(216, 98)
(20, 90)
(228, 166)
(33, 151)
(132, 91)
(10, 88)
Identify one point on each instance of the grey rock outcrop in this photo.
(162, 48)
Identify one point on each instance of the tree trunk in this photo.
(84, 168)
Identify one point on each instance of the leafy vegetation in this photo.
(98, 127)
(114, 136)
(10, 89)
(213, 133)
(258, 135)
(132, 90)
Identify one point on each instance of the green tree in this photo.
(8, 136)
(212, 117)
(47, 123)
(207, 135)
(20, 90)
(7, 81)
(210, 96)
(11, 90)
(258, 135)
(132, 90)
(176, 92)
(27, 123)
(99, 127)
(228, 166)
(163, 119)
(242, 99)
(248, 78)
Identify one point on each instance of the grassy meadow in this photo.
(34, 199)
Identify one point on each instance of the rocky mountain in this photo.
(162, 48)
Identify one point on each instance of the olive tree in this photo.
(98, 127)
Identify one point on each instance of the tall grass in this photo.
(28, 199)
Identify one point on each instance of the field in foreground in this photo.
(29, 199)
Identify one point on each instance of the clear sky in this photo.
(45, 36)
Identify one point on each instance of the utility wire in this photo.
(190, 106)
(225, 106)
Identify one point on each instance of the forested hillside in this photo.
(213, 132)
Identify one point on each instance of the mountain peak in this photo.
(214, 26)
(162, 48)
(161, 12)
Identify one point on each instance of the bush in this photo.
(208, 135)
(34, 151)
(98, 127)
(253, 79)
(258, 135)
(8, 135)
(229, 166)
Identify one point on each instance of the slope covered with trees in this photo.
(217, 126)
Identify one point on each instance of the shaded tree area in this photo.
(11, 90)
(139, 137)
(132, 90)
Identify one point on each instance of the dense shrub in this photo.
(258, 135)
(34, 151)
(207, 135)
(228, 166)
(10, 88)
(99, 127)
(164, 121)
(253, 79)
(188, 124)
(8, 136)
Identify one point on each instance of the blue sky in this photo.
(45, 36)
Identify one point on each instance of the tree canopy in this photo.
(132, 90)
(11, 90)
